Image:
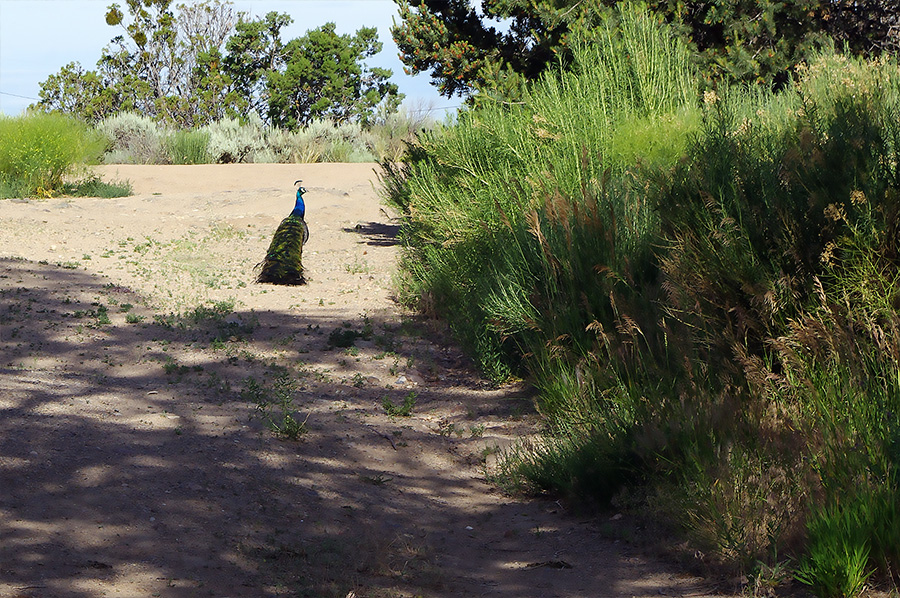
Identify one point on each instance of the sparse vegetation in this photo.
(137, 139)
(403, 410)
(275, 404)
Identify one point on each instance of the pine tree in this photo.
(750, 41)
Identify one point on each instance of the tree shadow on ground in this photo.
(137, 458)
(377, 233)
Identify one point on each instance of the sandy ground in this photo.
(142, 374)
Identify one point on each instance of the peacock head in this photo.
(299, 207)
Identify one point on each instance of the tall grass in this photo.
(188, 147)
(37, 151)
(704, 291)
(518, 210)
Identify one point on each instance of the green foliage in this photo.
(275, 404)
(404, 410)
(253, 52)
(230, 141)
(135, 139)
(464, 51)
(325, 77)
(92, 186)
(837, 562)
(166, 64)
(195, 64)
(709, 312)
(495, 51)
(79, 93)
(188, 147)
(392, 133)
(569, 462)
(505, 223)
(38, 150)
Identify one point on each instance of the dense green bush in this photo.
(37, 152)
(188, 147)
(708, 308)
(519, 210)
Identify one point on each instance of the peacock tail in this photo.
(283, 263)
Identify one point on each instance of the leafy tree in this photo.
(465, 51)
(166, 65)
(325, 77)
(255, 51)
(738, 40)
(75, 91)
(169, 64)
(161, 64)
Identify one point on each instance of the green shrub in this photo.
(391, 134)
(188, 147)
(133, 139)
(404, 410)
(516, 211)
(92, 186)
(37, 151)
(836, 564)
(138, 139)
(704, 292)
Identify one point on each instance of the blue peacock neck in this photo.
(299, 207)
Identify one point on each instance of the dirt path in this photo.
(142, 372)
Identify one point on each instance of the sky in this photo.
(38, 37)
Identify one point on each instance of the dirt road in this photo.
(150, 390)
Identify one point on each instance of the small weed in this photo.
(133, 318)
(276, 405)
(172, 368)
(388, 343)
(103, 315)
(448, 429)
(345, 336)
(215, 312)
(358, 381)
(404, 410)
(166, 321)
(488, 451)
(476, 431)
(342, 337)
(764, 580)
(376, 480)
(358, 267)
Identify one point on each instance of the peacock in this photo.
(283, 263)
